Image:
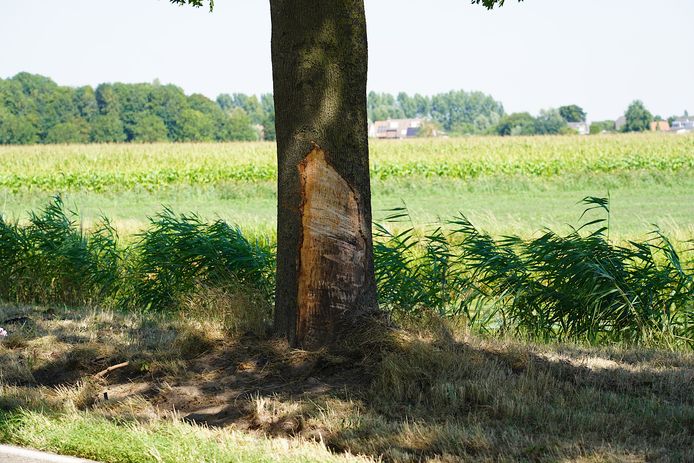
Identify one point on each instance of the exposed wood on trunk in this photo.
(331, 266)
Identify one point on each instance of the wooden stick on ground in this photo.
(108, 370)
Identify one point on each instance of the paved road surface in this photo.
(18, 455)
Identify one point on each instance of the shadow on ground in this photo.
(399, 396)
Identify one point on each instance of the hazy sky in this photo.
(600, 54)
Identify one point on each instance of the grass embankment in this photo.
(506, 185)
(418, 394)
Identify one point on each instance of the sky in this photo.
(599, 54)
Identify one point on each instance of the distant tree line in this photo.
(456, 112)
(470, 113)
(34, 109)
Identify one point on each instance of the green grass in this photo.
(170, 441)
(500, 206)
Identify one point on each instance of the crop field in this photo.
(505, 185)
(111, 168)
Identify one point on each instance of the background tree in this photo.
(33, 109)
(106, 100)
(408, 105)
(146, 128)
(550, 122)
(459, 112)
(16, 130)
(106, 128)
(240, 126)
(195, 126)
(85, 103)
(572, 113)
(383, 106)
(429, 129)
(74, 131)
(516, 124)
(638, 118)
(602, 126)
(267, 102)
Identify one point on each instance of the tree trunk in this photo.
(325, 275)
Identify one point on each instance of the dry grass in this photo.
(424, 393)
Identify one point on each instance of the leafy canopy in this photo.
(198, 3)
(490, 3)
(195, 3)
(572, 113)
(638, 118)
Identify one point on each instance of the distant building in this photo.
(395, 129)
(260, 130)
(683, 125)
(620, 123)
(581, 128)
(660, 126)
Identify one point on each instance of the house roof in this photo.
(660, 125)
(400, 123)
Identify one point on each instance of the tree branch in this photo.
(195, 3)
(108, 370)
(490, 3)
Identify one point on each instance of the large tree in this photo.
(325, 275)
(638, 118)
(572, 113)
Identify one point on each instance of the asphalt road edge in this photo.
(35, 455)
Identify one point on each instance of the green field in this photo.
(505, 185)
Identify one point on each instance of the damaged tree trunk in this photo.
(325, 275)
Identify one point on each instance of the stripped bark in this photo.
(325, 277)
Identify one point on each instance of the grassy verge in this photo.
(427, 392)
(110, 441)
(498, 205)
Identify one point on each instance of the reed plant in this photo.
(177, 253)
(579, 286)
(52, 259)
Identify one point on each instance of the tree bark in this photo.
(325, 275)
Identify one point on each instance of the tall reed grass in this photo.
(51, 259)
(177, 253)
(580, 286)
